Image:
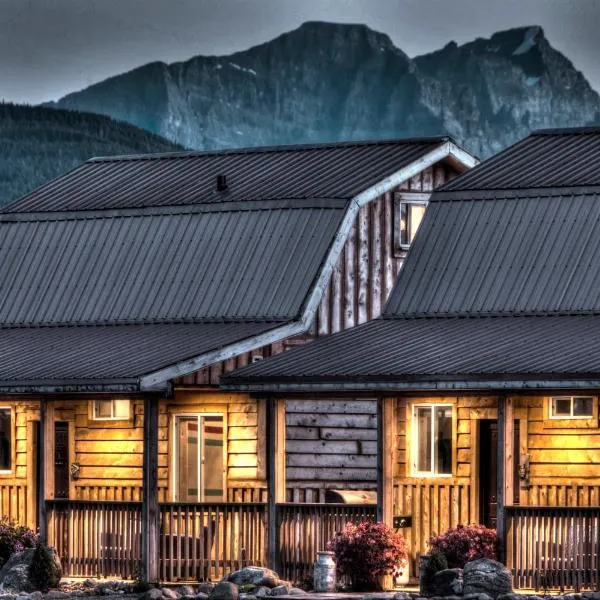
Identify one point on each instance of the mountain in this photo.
(490, 93)
(38, 144)
(326, 81)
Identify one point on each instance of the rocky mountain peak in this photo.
(332, 81)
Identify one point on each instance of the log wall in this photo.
(330, 443)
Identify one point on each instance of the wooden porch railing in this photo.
(96, 539)
(305, 529)
(205, 541)
(554, 547)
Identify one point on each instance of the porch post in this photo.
(504, 477)
(150, 513)
(41, 491)
(276, 473)
(385, 459)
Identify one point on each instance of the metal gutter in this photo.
(417, 386)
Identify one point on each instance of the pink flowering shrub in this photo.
(366, 552)
(465, 543)
(14, 538)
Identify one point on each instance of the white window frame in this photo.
(415, 440)
(175, 470)
(401, 198)
(97, 417)
(12, 454)
(571, 416)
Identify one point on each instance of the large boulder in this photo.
(448, 582)
(14, 575)
(486, 576)
(254, 576)
(225, 590)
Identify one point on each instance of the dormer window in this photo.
(409, 209)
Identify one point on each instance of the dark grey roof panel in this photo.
(434, 349)
(110, 353)
(554, 158)
(504, 255)
(318, 171)
(184, 266)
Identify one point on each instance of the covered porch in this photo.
(113, 502)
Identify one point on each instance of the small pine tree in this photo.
(44, 572)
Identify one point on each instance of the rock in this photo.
(35, 596)
(486, 576)
(205, 588)
(270, 581)
(188, 597)
(169, 594)
(262, 592)
(448, 582)
(294, 591)
(253, 575)
(378, 596)
(152, 594)
(201, 596)
(56, 595)
(246, 588)
(247, 597)
(225, 590)
(402, 596)
(186, 590)
(510, 596)
(280, 590)
(14, 575)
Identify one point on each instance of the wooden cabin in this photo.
(485, 364)
(131, 284)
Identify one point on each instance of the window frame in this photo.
(13, 441)
(95, 417)
(569, 422)
(570, 416)
(414, 446)
(173, 448)
(401, 198)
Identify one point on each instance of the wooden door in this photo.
(61, 459)
(488, 472)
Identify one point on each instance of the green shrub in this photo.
(44, 571)
(14, 538)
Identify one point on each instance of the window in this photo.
(432, 450)
(409, 209)
(6, 439)
(571, 407)
(199, 458)
(111, 410)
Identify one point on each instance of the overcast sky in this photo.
(51, 47)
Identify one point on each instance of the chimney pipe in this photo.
(221, 183)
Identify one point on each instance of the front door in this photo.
(61, 459)
(199, 458)
(488, 472)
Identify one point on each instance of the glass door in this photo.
(199, 458)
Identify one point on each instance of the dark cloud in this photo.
(51, 47)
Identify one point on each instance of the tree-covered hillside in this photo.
(38, 144)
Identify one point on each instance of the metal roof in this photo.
(75, 356)
(390, 351)
(546, 158)
(501, 283)
(340, 170)
(503, 253)
(231, 263)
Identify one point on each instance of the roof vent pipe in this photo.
(221, 183)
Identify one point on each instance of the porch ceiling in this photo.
(109, 357)
(390, 353)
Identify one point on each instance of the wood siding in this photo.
(330, 444)
(110, 453)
